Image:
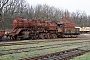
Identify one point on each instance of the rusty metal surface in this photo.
(2, 32)
(67, 24)
(43, 29)
(27, 23)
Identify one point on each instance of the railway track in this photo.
(18, 43)
(34, 42)
(36, 48)
(62, 55)
(39, 46)
(30, 42)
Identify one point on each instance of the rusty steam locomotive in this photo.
(40, 29)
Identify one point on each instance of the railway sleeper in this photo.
(62, 55)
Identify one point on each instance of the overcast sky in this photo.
(71, 5)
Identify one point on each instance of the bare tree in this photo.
(79, 18)
(2, 5)
(11, 8)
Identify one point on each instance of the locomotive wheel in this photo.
(33, 37)
(47, 36)
(55, 35)
(51, 36)
(41, 36)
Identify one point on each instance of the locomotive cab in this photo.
(67, 29)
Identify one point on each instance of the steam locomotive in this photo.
(41, 29)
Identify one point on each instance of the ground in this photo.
(22, 49)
